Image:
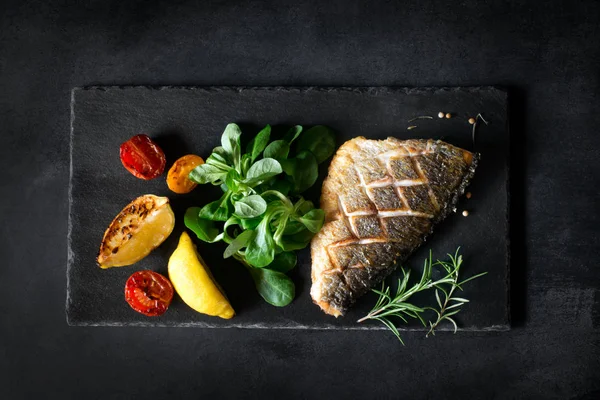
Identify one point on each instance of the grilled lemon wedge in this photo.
(138, 229)
(194, 282)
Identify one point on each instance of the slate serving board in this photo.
(187, 120)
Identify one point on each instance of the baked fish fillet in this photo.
(381, 199)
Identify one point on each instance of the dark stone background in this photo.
(546, 53)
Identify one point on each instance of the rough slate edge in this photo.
(239, 89)
(508, 227)
(407, 90)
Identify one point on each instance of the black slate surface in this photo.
(547, 54)
(191, 120)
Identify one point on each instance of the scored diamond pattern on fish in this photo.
(390, 180)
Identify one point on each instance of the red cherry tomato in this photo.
(149, 293)
(142, 157)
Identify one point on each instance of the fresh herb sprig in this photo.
(261, 215)
(398, 305)
(446, 308)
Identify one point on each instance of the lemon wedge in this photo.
(194, 282)
(138, 229)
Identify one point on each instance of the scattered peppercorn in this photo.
(448, 115)
(441, 114)
(465, 213)
(468, 195)
(471, 121)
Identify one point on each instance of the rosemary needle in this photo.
(477, 118)
(420, 117)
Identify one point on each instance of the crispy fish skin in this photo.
(381, 199)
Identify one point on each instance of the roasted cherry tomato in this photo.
(149, 293)
(177, 177)
(142, 157)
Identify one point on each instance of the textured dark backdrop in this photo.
(547, 53)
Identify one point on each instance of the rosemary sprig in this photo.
(448, 309)
(388, 306)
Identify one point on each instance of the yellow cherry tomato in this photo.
(177, 178)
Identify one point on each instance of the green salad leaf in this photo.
(206, 230)
(313, 220)
(275, 287)
(218, 210)
(258, 144)
(303, 171)
(261, 249)
(208, 173)
(231, 143)
(263, 170)
(238, 243)
(293, 134)
(279, 149)
(261, 216)
(284, 262)
(250, 207)
(320, 141)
